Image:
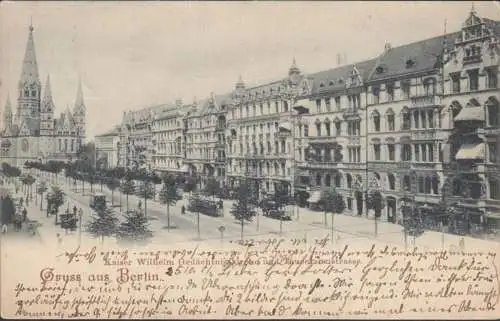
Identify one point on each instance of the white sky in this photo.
(132, 55)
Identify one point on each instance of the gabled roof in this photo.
(415, 57)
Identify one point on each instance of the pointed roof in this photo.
(48, 101)
(29, 72)
(294, 68)
(79, 103)
(8, 107)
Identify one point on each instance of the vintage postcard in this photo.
(249, 160)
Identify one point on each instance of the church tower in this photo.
(7, 115)
(29, 88)
(47, 111)
(79, 115)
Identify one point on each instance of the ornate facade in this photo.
(33, 133)
(419, 123)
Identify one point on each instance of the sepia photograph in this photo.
(249, 160)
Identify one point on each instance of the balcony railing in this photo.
(423, 134)
(424, 101)
(472, 59)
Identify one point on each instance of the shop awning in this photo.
(471, 151)
(285, 126)
(315, 197)
(470, 113)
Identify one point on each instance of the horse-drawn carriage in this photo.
(271, 209)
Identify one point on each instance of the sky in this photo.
(131, 55)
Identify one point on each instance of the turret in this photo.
(47, 111)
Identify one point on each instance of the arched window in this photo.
(406, 183)
(406, 117)
(328, 180)
(392, 181)
(435, 185)
(349, 180)
(428, 185)
(421, 185)
(338, 180)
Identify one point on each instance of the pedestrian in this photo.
(461, 244)
(59, 239)
(183, 209)
(4, 228)
(74, 209)
(25, 214)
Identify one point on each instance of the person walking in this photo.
(74, 209)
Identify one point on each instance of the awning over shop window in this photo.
(315, 197)
(471, 151)
(470, 113)
(285, 126)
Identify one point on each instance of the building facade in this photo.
(419, 123)
(33, 133)
(107, 147)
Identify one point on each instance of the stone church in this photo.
(32, 133)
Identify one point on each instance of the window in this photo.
(492, 114)
(492, 152)
(376, 121)
(338, 128)
(276, 107)
(390, 92)
(429, 87)
(494, 190)
(306, 130)
(349, 203)
(338, 179)
(423, 115)
(455, 83)
(318, 105)
(376, 95)
(406, 120)
(430, 116)
(349, 180)
(328, 104)
(328, 129)
(283, 147)
(318, 129)
(492, 75)
(406, 153)
(391, 151)
(376, 150)
(392, 181)
(318, 179)
(285, 106)
(261, 109)
(26, 93)
(416, 118)
(328, 180)
(337, 102)
(473, 80)
(405, 89)
(424, 152)
(391, 122)
(416, 148)
(406, 183)
(33, 93)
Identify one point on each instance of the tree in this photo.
(55, 200)
(169, 195)
(244, 208)
(332, 202)
(190, 184)
(103, 224)
(127, 187)
(135, 228)
(112, 183)
(212, 187)
(41, 188)
(375, 202)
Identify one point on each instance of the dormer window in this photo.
(331, 83)
(340, 81)
(379, 70)
(322, 85)
(410, 63)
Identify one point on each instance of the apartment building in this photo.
(167, 139)
(107, 146)
(260, 134)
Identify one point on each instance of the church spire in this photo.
(29, 72)
(7, 113)
(48, 101)
(79, 103)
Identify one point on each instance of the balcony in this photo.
(472, 59)
(424, 101)
(423, 134)
(404, 165)
(322, 164)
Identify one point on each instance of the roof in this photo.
(335, 79)
(218, 102)
(29, 72)
(493, 25)
(113, 132)
(415, 57)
